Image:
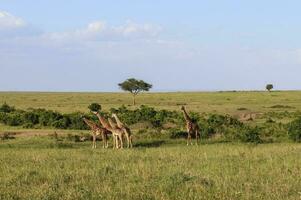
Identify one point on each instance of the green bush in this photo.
(250, 135)
(177, 133)
(273, 131)
(145, 113)
(61, 123)
(14, 119)
(294, 130)
(31, 117)
(6, 108)
(229, 128)
(3, 117)
(75, 121)
(47, 117)
(220, 124)
(94, 107)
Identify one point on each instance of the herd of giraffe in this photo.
(117, 129)
(113, 126)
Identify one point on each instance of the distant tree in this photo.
(94, 107)
(269, 87)
(134, 86)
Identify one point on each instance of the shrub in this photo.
(145, 113)
(220, 124)
(75, 121)
(94, 107)
(61, 123)
(6, 108)
(294, 130)
(176, 133)
(271, 132)
(251, 135)
(14, 119)
(31, 117)
(3, 117)
(47, 117)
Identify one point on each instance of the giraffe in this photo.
(192, 127)
(125, 129)
(96, 130)
(117, 134)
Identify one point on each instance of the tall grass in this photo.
(40, 168)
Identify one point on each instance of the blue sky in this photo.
(175, 45)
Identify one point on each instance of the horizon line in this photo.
(156, 91)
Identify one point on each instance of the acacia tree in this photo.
(269, 87)
(134, 86)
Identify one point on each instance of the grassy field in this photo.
(41, 168)
(37, 166)
(220, 102)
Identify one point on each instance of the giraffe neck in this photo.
(103, 122)
(112, 124)
(119, 123)
(90, 123)
(186, 116)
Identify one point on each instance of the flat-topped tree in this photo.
(134, 86)
(269, 87)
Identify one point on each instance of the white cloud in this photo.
(101, 31)
(9, 21)
(12, 27)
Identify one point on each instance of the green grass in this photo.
(220, 102)
(41, 168)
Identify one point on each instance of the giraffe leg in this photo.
(188, 138)
(128, 140)
(103, 140)
(121, 142)
(197, 136)
(116, 141)
(106, 141)
(93, 141)
(131, 141)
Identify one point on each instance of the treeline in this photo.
(222, 127)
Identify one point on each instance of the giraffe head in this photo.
(182, 108)
(94, 112)
(114, 115)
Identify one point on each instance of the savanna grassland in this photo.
(41, 168)
(221, 102)
(38, 165)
